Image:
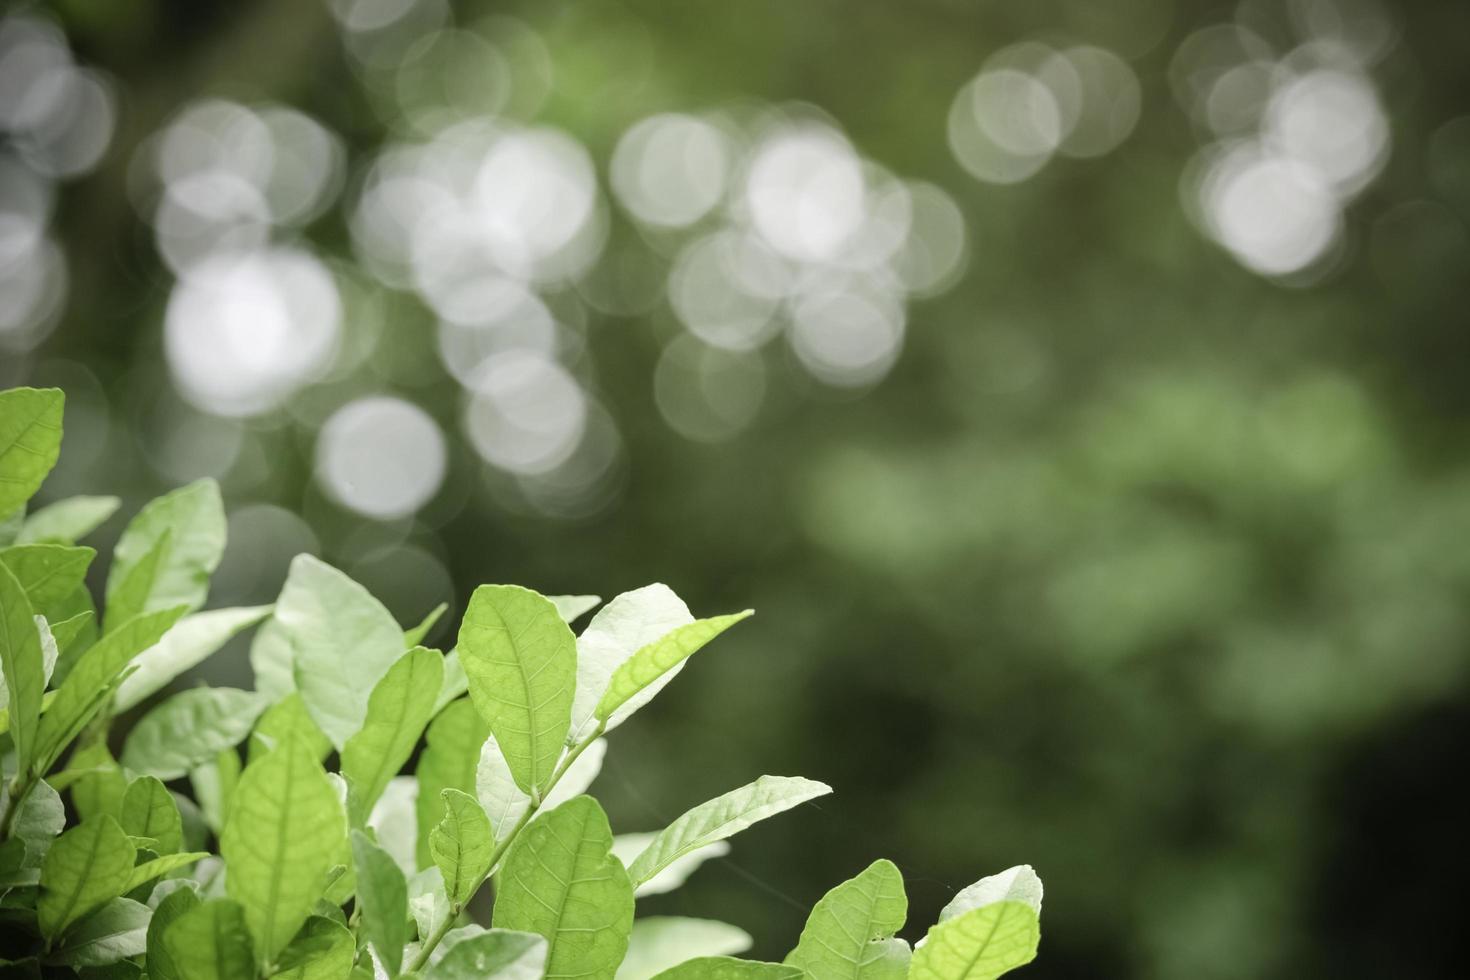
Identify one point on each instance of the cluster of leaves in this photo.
(363, 872)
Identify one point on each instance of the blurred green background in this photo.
(1076, 390)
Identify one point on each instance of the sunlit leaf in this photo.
(192, 519)
(415, 636)
(628, 846)
(1018, 884)
(723, 817)
(148, 810)
(211, 941)
(23, 666)
(49, 573)
(978, 945)
(561, 881)
(322, 950)
(30, 440)
(728, 968)
(462, 844)
(451, 753)
(189, 729)
(498, 953)
(116, 931)
(169, 910)
(642, 675)
(850, 932)
(572, 607)
(620, 629)
(187, 644)
(659, 942)
(521, 660)
(503, 800)
(287, 718)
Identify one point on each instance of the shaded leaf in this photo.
(148, 810)
(284, 831)
(160, 866)
(211, 941)
(572, 607)
(189, 729)
(66, 521)
(499, 953)
(413, 637)
(322, 950)
(192, 520)
(728, 968)
(628, 846)
(86, 867)
(186, 645)
(382, 892)
(116, 931)
(101, 786)
(659, 942)
(172, 907)
(398, 709)
(503, 800)
(451, 753)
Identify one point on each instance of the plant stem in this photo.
(500, 849)
(19, 790)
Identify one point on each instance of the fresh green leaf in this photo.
(70, 631)
(322, 950)
(102, 786)
(561, 881)
(979, 944)
(284, 831)
(723, 817)
(620, 629)
(646, 672)
(850, 933)
(1018, 884)
(337, 640)
(211, 941)
(190, 641)
(626, 847)
(288, 718)
(148, 810)
(448, 761)
(214, 785)
(160, 866)
(392, 821)
(414, 637)
(728, 968)
(498, 953)
(382, 892)
(521, 660)
(116, 931)
(49, 573)
(10, 526)
(169, 910)
(502, 799)
(67, 521)
(429, 905)
(192, 519)
(659, 942)
(190, 728)
(462, 844)
(23, 665)
(91, 680)
(42, 816)
(455, 682)
(398, 709)
(131, 595)
(30, 440)
(87, 866)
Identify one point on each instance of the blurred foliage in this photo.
(1138, 566)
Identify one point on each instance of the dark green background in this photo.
(1173, 607)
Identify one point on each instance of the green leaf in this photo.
(561, 881)
(284, 831)
(192, 520)
(850, 933)
(49, 573)
(42, 816)
(102, 786)
(382, 892)
(10, 526)
(662, 941)
(188, 644)
(189, 729)
(455, 682)
(1018, 884)
(322, 950)
(30, 440)
(160, 866)
(174, 906)
(398, 709)
(499, 953)
(414, 637)
(211, 941)
(620, 629)
(462, 844)
(131, 595)
(647, 671)
(91, 680)
(23, 665)
(214, 785)
(728, 968)
(67, 521)
(86, 867)
(502, 799)
(723, 817)
(628, 846)
(148, 810)
(288, 718)
(337, 641)
(521, 661)
(572, 607)
(978, 945)
(451, 752)
(116, 931)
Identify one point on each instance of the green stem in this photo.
(19, 790)
(500, 849)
